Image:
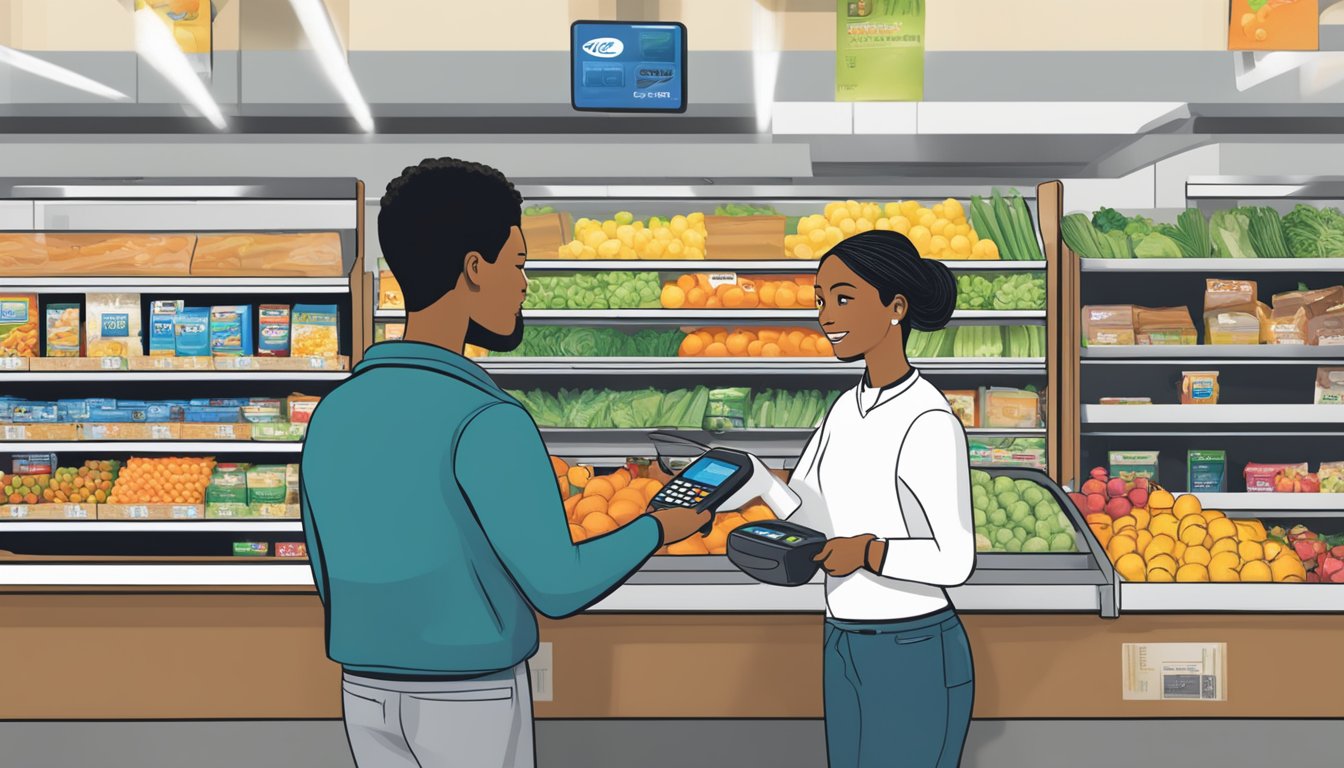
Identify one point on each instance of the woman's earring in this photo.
(897, 321)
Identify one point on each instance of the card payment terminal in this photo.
(776, 552)
(706, 483)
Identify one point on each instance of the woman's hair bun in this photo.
(889, 262)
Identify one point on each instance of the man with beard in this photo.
(430, 569)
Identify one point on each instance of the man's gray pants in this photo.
(480, 723)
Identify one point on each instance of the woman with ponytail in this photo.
(886, 477)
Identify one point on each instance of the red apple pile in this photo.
(1112, 495)
(1322, 556)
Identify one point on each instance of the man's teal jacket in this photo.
(434, 521)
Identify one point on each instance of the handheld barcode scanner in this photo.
(774, 552)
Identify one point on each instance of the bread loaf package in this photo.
(314, 254)
(1108, 325)
(108, 255)
(1165, 325)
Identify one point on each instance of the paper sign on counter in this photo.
(1174, 671)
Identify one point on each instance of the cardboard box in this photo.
(291, 549)
(545, 233)
(151, 512)
(966, 405)
(1006, 408)
(1130, 465)
(1109, 325)
(163, 363)
(301, 407)
(312, 254)
(65, 334)
(228, 485)
(266, 484)
(280, 433)
(32, 412)
(84, 364)
(273, 330)
(113, 325)
(191, 332)
(264, 410)
(315, 331)
(251, 549)
(292, 486)
(48, 511)
(231, 330)
(745, 238)
(162, 337)
(216, 432)
(1329, 386)
(52, 432)
(212, 414)
(142, 431)
(19, 325)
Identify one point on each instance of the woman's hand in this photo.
(842, 556)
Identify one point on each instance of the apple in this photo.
(1138, 497)
(1313, 577)
(1330, 566)
(1099, 473)
(1116, 488)
(1079, 500)
(1338, 552)
(1141, 482)
(1310, 483)
(1095, 503)
(1094, 486)
(1304, 549)
(1118, 507)
(1337, 577)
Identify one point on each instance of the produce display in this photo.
(91, 482)
(1024, 452)
(978, 341)
(1237, 233)
(687, 409)
(622, 237)
(940, 232)
(1006, 221)
(594, 290)
(238, 418)
(755, 342)
(1015, 291)
(565, 341)
(737, 292)
(599, 504)
(172, 480)
(1017, 515)
(1322, 556)
(1150, 535)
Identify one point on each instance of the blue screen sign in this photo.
(626, 67)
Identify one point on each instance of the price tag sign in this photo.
(96, 431)
(317, 362)
(110, 363)
(160, 432)
(226, 432)
(12, 363)
(77, 512)
(137, 513)
(16, 432)
(16, 511)
(722, 278)
(185, 513)
(163, 362)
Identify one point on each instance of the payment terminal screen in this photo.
(618, 67)
(709, 472)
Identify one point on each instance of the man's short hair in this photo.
(437, 212)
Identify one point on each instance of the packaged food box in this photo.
(1274, 478)
(216, 431)
(162, 335)
(727, 410)
(1329, 386)
(31, 412)
(292, 484)
(231, 330)
(1238, 296)
(390, 332)
(273, 330)
(1326, 330)
(1231, 328)
(209, 414)
(301, 408)
(965, 404)
(1004, 408)
(988, 452)
(1331, 475)
(18, 325)
(264, 410)
(128, 431)
(113, 324)
(1109, 325)
(295, 549)
(1206, 471)
(266, 484)
(282, 432)
(314, 331)
(251, 549)
(228, 485)
(64, 331)
(191, 332)
(1164, 326)
(389, 290)
(220, 402)
(1131, 465)
(1199, 387)
(33, 464)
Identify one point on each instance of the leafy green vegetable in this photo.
(1139, 225)
(564, 341)
(1267, 233)
(1190, 233)
(1314, 232)
(1230, 232)
(1156, 246)
(1109, 220)
(745, 209)
(974, 292)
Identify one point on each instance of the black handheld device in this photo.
(706, 483)
(776, 552)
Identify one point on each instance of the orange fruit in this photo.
(757, 513)
(808, 347)
(716, 539)
(721, 336)
(824, 348)
(577, 533)
(785, 297)
(623, 511)
(563, 483)
(714, 302)
(755, 347)
(1161, 499)
(696, 297)
(695, 545)
(673, 297)
(589, 505)
(633, 494)
(730, 520)
(771, 349)
(738, 344)
(686, 283)
(807, 296)
(767, 294)
(691, 346)
(571, 506)
(598, 523)
(619, 479)
(1187, 505)
(717, 349)
(600, 486)
(734, 298)
(752, 301)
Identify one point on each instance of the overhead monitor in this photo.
(628, 66)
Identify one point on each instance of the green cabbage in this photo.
(1231, 235)
(1314, 232)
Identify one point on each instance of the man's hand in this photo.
(679, 522)
(843, 556)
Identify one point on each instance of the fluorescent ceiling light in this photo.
(764, 63)
(45, 69)
(156, 46)
(326, 44)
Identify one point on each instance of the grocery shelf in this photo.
(162, 574)
(1139, 597)
(781, 266)
(149, 526)
(182, 284)
(1264, 187)
(145, 376)
(1212, 266)
(1212, 414)
(1273, 502)
(720, 316)
(1234, 353)
(642, 366)
(171, 447)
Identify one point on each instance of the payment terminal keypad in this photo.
(683, 493)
